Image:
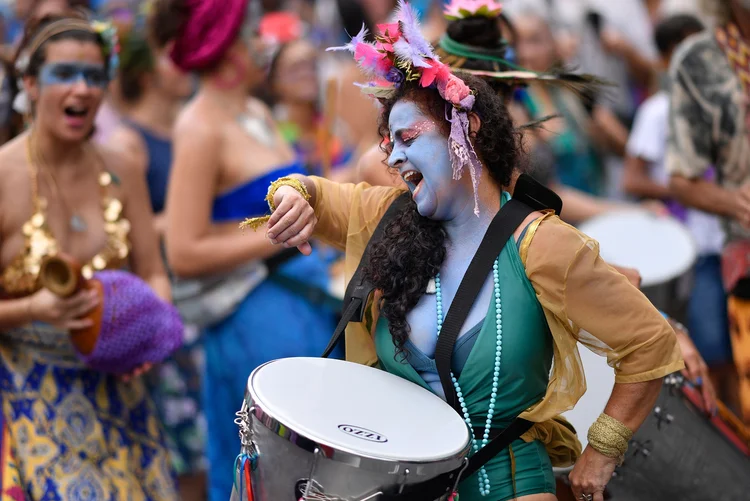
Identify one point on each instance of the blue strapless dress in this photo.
(272, 322)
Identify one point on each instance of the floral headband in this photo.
(400, 56)
(111, 49)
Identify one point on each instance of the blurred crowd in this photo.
(290, 106)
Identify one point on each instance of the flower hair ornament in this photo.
(400, 55)
(105, 30)
(462, 9)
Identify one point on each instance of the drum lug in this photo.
(460, 474)
(641, 448)
(243, 421)
(662, 416)
(402, 481)
(674, 381)
(310, 489)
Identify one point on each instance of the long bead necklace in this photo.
(484, 479)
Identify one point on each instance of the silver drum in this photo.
(333, 430)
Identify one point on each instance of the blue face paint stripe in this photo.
(62, 73)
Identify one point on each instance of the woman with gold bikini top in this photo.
(68, 431)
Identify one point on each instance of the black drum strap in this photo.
(359, 289)
(500, 231)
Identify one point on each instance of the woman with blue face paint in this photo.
(516, 353)
(70, 432)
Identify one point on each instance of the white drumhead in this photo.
(660, 248)
(600, 379)
(359, 409)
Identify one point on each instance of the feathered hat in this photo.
(400, 55)
(508, 71)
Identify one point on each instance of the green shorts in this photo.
(533, 474)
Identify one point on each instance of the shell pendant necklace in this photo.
(257, 127)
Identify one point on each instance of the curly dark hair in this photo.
(412, 249)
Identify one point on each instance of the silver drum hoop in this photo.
(253, 414)
(253, 411)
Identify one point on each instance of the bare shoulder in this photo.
(13, 155)
(259, 106)
(120, 165)
(127, 139)
(527, 222)
(15, 184)
(196, 121)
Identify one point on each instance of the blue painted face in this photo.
(69, 73)
(420, 152)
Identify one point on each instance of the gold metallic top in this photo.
(20, 278)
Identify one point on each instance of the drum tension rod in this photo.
(662, 416)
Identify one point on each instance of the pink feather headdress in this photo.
(400, 55)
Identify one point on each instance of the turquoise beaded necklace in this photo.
(484, 480)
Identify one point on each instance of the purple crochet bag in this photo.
(137, 326)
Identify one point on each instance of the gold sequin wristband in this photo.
(256, 222)
(609, 437)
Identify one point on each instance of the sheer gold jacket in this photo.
(584, 301)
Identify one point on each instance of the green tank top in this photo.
(526, 357)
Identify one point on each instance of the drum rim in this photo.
(340, 453)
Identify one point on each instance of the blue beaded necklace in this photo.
(484, 480)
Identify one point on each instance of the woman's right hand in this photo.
(293, 221)
(44, 306)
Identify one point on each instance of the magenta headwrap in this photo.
(210, 29)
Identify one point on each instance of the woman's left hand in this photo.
(591, 475)
(696, 369)
(137, 372)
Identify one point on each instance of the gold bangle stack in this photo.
(256, 222)
(609, 437)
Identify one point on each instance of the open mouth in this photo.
(76, 111)
(412, 178)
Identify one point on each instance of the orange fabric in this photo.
(739, 328)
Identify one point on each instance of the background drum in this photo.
(679, 453)
(661, 248)
(334, 430)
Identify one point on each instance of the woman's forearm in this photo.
(218, 252)
(631, 403)
(15, 312)
(159, 282)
